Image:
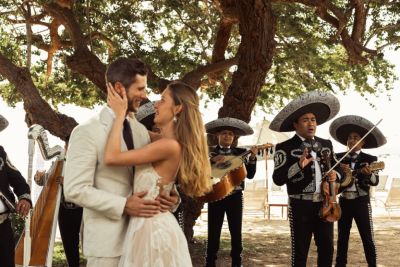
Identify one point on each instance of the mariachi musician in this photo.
(10, 177)
(226, 129)
(299, 164)
(354, 200)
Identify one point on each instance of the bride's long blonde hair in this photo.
(194, 176)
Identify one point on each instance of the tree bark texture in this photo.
(255, 55)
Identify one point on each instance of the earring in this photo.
(175, 119)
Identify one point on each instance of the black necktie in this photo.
(127, 134)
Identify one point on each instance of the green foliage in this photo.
(59, 259)
(175, 37)
(18, 225)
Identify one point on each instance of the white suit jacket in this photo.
(101, 190)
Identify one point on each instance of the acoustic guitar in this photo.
(228, 174)
(349, 178)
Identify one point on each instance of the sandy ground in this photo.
(267, 243)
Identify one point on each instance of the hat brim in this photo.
(238, 127)
(343, 126)
(323, 105)
(3, 123)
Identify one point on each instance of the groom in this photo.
(105, 192)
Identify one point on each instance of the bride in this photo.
(179, 153)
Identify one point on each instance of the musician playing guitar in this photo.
(10, 177)
(226, 129)
(354, 200)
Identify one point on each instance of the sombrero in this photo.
(323, 105)
(3, 123)
(238, 127)
(343, 126)
(145, 114)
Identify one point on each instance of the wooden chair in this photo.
(393, 199)
(379, 190)
(255, 194)
(276, 197)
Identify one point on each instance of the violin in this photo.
(330, 210)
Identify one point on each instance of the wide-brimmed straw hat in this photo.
(3, 123)
(343, 126)
(145, 114)
(238, 127)
(323, 105)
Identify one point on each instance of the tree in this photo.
(248, 52)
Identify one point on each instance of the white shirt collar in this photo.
(114, 116)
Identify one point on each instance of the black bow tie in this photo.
(311, 144)
(225, 150)
(353, 156)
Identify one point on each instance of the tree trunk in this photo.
(255, 53)
(255, 59)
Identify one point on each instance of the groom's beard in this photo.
(131, 107)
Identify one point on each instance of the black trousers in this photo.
(232, 205)
(69, 222)
(7, 244)
(304, 222)
(360, 210)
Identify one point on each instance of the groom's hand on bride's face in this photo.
(137, 206)
(167, 202)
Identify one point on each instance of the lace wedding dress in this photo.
(156, 241)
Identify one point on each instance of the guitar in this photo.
(349, 178)
(228, 174)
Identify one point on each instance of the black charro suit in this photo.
(10, 177)
(305, 199)
(232, 205)
(355, 203)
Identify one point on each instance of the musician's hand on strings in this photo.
(137, 206)
(332, 176)
(23, 207)
(305, 159)
(60, 179)
(366, 170)
(254, 151)
(167, 201)
(345, 167)
(39, 177)
(217, 159)
(117, 102)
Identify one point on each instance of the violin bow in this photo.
(356, 144)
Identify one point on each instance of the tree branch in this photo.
(37, 109)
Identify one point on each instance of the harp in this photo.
(35, 246)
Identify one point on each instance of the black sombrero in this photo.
(145, 114)
(343, 126)
(323, 105)
(3, 123)
(238, 127)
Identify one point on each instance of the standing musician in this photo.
(10, 177)
(298, 164)
(354, 200)
(226, 129)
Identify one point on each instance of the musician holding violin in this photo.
(360, 173)
(226, 130)
(302, 163)
(10, 177)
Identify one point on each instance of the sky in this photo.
(14, 137)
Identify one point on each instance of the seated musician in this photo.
(299, 164)
(354, 200)
(10, 177)
(226, 129)
(69, 220)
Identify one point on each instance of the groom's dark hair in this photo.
(124, 70)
